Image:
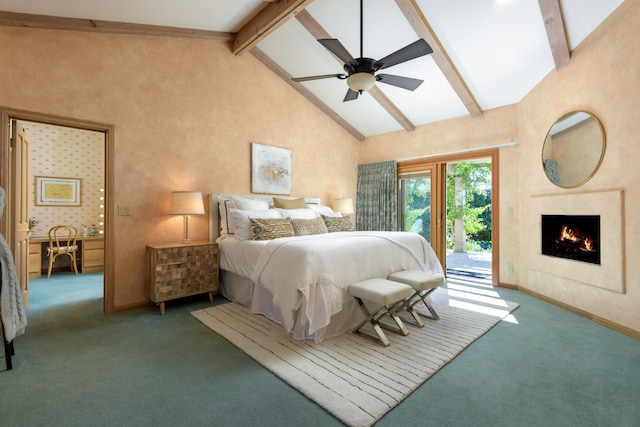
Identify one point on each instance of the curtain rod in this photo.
(464, 150)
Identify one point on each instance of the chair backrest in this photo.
(62, 238)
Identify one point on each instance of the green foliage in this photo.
(32, 224)
(418, 206)
(473, 204)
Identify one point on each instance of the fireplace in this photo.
(574, 237)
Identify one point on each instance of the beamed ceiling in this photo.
(486, 53)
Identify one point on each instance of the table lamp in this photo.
(344, 206)
(186, 203)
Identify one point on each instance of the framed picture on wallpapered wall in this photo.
(270, 169)
(54, 191)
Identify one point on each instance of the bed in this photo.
(301, 282)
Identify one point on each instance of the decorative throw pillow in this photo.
(242, 223)
(305, 227)
(225, 225)
(279, 202)
(335, 224)
(270, 228)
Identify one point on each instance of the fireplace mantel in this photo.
(610, 274)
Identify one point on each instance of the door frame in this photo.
(6, 115)
(439, 198)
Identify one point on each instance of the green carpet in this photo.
(76, 366)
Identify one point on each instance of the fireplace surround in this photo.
(547, 271)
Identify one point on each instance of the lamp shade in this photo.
(361, 82)
(186, 203)
(343, 206)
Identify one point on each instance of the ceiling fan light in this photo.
(361, 82)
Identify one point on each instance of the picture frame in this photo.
(57, 191)
(270, 169)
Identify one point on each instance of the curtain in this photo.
(376, 203)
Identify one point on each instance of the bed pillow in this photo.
(335, 224)
(270, 228)
(321, 209)
(247, 204)
(241, 221)
(306, 227)
(298, 213)
(279, 202)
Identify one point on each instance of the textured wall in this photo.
(601, 78)
(63, 152)
(185, 113)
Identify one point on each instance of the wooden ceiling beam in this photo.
(27, 20)
(318, 32)
(265, 22)
(261, 56)
(556, 33)
(421, 26)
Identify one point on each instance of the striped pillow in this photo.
(270, 228)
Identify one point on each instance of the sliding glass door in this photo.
(452, 202)
(421, 204)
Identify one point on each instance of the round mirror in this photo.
(573, 149)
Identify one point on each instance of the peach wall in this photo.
(185, 113)
(601, 78)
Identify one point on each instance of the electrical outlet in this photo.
(509, 268)
(124, 210)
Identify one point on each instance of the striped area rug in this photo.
(356, 380)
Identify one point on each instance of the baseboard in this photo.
(615, 326)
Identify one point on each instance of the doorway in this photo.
(107, 203)
(469, 219)
(461, 226)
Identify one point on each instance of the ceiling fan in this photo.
(361, 72)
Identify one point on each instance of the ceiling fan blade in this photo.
(407, 53)
(350, 96)
(402, 82)
(335, 47)
(324, 76)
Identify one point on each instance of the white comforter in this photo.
(308, 276)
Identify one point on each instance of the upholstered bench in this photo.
(423, 283)
(389, 296)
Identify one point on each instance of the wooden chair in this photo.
(62, 241)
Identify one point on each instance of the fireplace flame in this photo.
(567, 234)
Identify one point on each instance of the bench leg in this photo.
(371, 319)
(418, 296)
(415, 316)
(399, 327)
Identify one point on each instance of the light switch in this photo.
(124, 210)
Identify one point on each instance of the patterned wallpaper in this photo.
(63, 152)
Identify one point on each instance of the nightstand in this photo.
(179, 270)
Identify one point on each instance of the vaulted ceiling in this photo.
(486, 53)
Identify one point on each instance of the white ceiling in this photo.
(499, 48)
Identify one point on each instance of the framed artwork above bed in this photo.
(270, 169)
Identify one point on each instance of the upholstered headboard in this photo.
(214, 213)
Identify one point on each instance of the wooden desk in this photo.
(90, 256)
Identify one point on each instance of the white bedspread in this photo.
(308, 276)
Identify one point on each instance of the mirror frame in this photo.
(602, 151)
